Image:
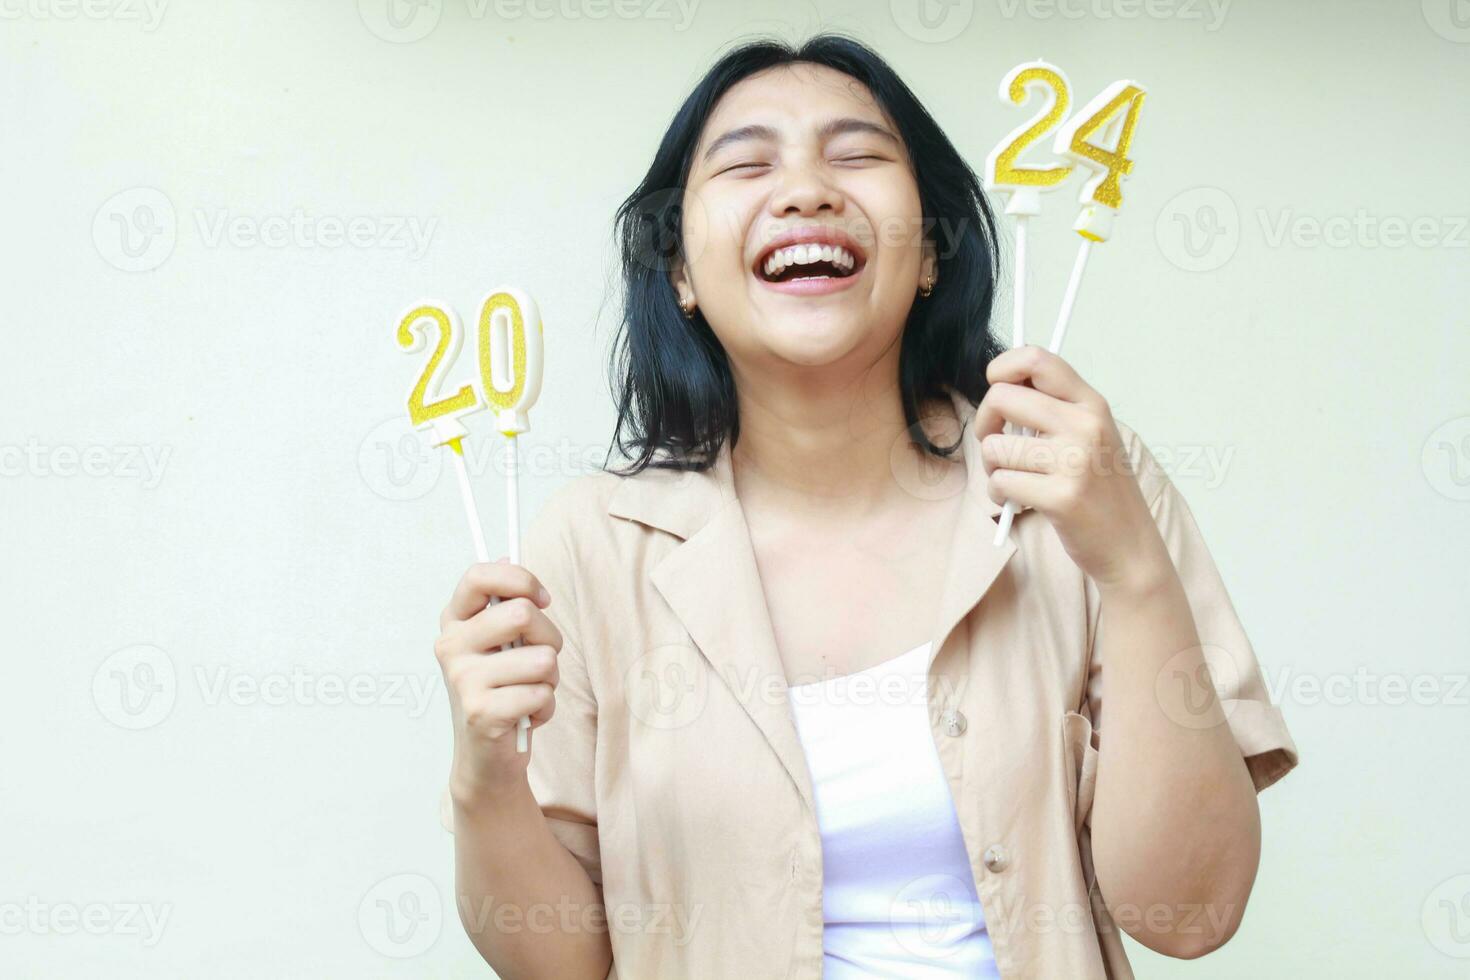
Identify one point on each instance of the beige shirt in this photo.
(672, 768)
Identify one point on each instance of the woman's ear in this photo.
(928, 268)
(683, 288)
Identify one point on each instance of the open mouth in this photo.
(814, 261)
(810, 259)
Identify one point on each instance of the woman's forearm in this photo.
(527, 904)
(1175, 826)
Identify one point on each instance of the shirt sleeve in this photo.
(1257, 725)
(561, 768)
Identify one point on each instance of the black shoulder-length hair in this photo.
(672, 379)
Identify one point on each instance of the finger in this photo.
(506, 668)
(496, 713)
(485, 579)
(516, 701)
(1047, 372)
(1023, 406)
(542, 715)
(512, 619)
(1036, 490)
(1031, 454)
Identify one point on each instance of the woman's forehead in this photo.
(792, 99)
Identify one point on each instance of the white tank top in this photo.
(898, 897)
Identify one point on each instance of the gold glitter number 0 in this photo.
(502, 347)
(1115, 162)
(420, 411)
(1052, 113)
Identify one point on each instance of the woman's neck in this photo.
(834, 454)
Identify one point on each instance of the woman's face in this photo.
(802, 223)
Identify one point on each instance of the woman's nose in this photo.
(805, 189)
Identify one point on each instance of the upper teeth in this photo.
(806, 254)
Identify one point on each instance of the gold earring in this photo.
(687, 310)
(928, 286)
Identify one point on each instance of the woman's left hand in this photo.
(1076, 470)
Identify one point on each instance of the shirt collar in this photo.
(681, 502)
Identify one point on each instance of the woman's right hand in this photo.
(489, 688)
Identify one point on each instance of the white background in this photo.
(1308, 394)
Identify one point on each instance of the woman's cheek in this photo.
(696, 226)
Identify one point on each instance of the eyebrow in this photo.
(828, 129)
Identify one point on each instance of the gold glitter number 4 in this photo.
(1112, 164)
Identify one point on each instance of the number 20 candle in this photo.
(508, 340)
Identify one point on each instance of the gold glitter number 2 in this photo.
(1053, 112)
(420, 411)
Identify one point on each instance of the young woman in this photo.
(809, 719)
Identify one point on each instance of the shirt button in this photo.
(996, 858)
(954, 722)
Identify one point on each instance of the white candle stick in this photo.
(513, 498)
(482, 554)
(467, 495)
(510, 376)
(1018, 306)
(513, 524)
(1059, 333)
(1023, 185)
(441, 416)
(1114, 115)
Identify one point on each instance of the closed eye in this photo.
(742, 166)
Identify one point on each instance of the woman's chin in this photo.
(812, 341)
